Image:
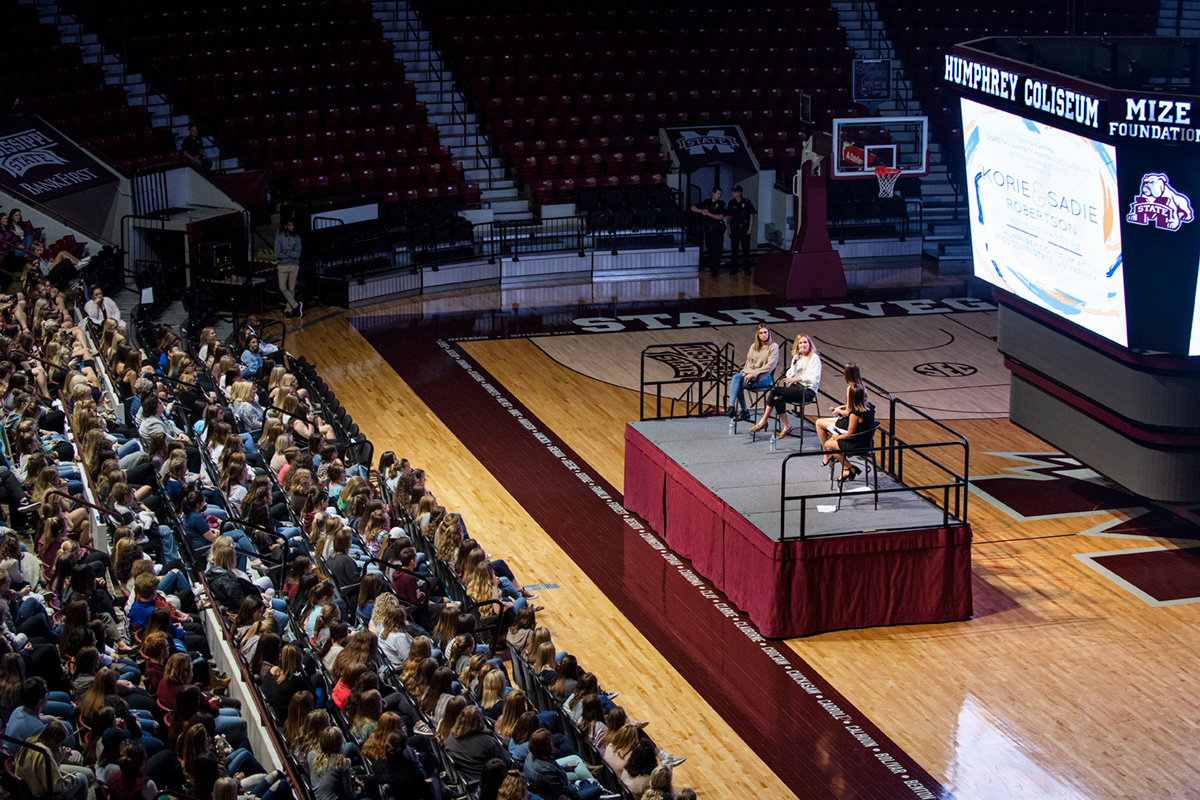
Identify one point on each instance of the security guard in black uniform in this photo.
(713, 211)
(739, 217)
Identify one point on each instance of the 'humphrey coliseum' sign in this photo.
(38, 162)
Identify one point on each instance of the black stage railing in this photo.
(954, 489)
(704, 368)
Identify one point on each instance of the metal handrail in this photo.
(97, 508)
(268, 723)
(31, 746)
(897, 464)
(959, 484)
(262, 329)
(713, 372)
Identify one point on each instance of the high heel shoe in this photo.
(849, 476)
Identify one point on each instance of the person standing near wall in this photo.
(713, 211)
(287, 265)
(740, 219)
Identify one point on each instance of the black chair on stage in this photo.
(860, 444)
(758, 398)
(796, 410)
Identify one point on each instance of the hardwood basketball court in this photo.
(1072, 679)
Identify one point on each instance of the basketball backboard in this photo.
(860, 144)
(871, 80)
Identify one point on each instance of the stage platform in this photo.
(745, 475)
(715, 499)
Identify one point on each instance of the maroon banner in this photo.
(39, 162)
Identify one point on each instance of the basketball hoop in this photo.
(887, 180)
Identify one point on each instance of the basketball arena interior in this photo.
(655, 400)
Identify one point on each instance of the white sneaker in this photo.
(672, 761)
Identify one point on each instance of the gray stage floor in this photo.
(746, 474)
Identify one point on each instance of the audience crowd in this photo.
(387, 647)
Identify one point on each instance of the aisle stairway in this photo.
(458, 127)
(947, 235)
(136, 89)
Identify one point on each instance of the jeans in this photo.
(132, 446)
(29, 608)
(173, 582)
(739, 383)
(265, 792)
(279, 609)
(589, 790)
(242, 760)
(230, 725)
(167, 543)
(248, 440)
(59, 705)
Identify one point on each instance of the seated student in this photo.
(247, 411)
(855, 416)
(129, 780)
(660, 784)
(407, 586)
(389, 623)
(100, 309)
(399, 769)
(27, 720)
(547, 778)
(56, 779)
(853, 376)
(178, 676)
(756, 373)
(230, 585)
(330, 769)
(342, 569)
(799, 385)
(640, 765)
(471, 744)
(285, 680)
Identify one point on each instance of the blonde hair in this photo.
(494, 684)
(241, 392)
(277, 374)
(480, 584)
(222, 554)
(812, 346)
(543, 659)
(449, 537)
(387, 617)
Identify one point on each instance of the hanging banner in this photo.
(38, 162)
(698, 146)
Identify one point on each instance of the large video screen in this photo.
(1045, 218)
(1194, 345)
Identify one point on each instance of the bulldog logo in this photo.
(1159, 204)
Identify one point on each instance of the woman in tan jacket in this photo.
(757, 372)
